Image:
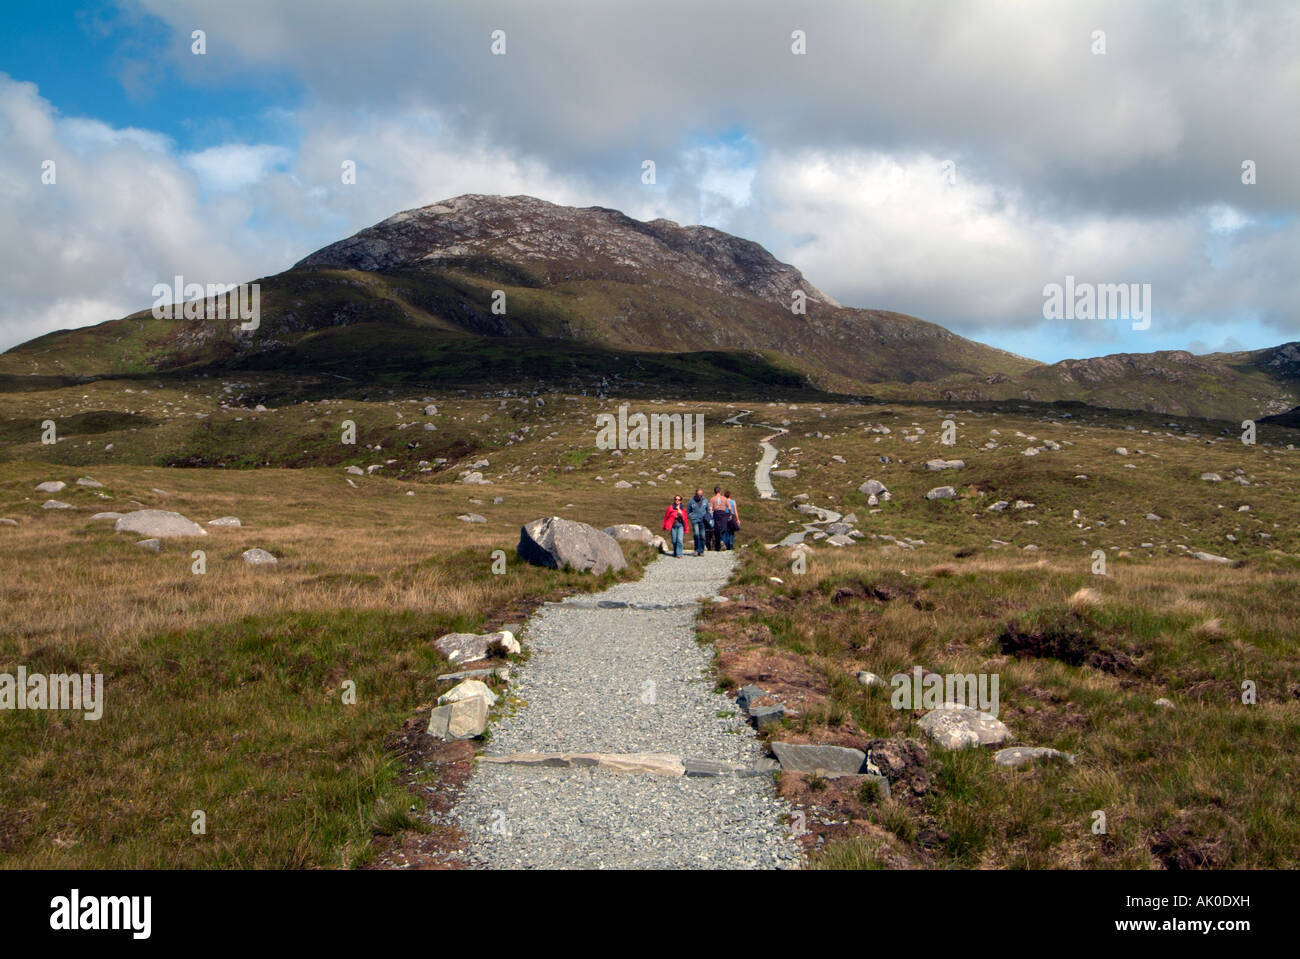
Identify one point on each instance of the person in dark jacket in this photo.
(701, 519)
(677, 522)
(718, 510)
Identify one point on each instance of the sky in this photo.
(943, 159)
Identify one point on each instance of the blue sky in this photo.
(939, 160)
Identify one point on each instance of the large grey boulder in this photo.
(630, 532)
(826, 761)
(872, 487)
(957, 727)
(555, 543)
(159, 523)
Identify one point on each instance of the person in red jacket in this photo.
(677, 522)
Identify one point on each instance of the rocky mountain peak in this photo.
(558, 243)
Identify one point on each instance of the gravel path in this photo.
(626, 679)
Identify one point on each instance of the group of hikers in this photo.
(713, 522)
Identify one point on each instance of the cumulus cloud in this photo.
(944, 160)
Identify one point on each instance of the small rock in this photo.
(258, 557)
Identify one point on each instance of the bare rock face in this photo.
(555, 543)
(566, 243)
(158, 523)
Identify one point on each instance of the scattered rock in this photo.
(1211, 558)
(225, 521)
(957, 727)
(940, 464)
(630, 532)
(55, 504)
(826, 761)
(52, 486)
(941, 492)
(151, 544)
(471, 647)
(459, 720)
(466, 689)
(1165, 703)
(87, 481)
(258, 557)
(872, 488)
(871, 679)
(158, 522)
(471, 518)
(1024, 755)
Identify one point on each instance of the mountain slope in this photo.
(438, 291)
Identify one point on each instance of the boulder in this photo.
(154, 545)
(354, 470)
(225, 521)
(258, 557)
(87, 481)
(55, 504)
(936, 465)
(631, 533)
(471, 647)
(957, 727)
(466, 689)
(6, 521)
(555, 543)
(463, 719)
(826, 761)
(872, 488)
(1211, 558)
(53, 486)
(110, 515)
(941, 492)
(158, 523)
(840, 540)
(471, 518)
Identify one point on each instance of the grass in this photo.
(224, 690)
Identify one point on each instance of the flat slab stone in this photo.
(158, 523)
(941, 492)
(764, 716)
(500, 672)
(1024, 755)
(52, 486)
(827, 761)
(225, 521)
(657, 764)
(957, 727)
(108, 515)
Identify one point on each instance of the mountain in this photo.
(482, 290)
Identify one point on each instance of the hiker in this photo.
(733, 521)
(677, 522)
(718, 506)
(701, 518)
